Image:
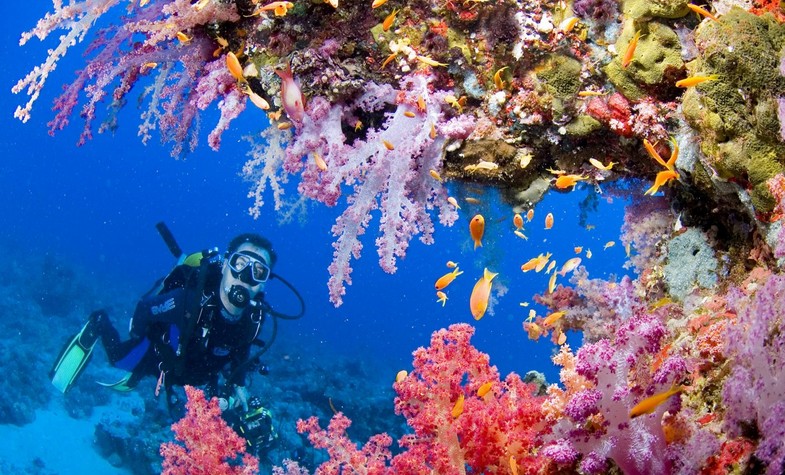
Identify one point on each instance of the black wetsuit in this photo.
(159, 323)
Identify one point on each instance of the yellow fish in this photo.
(478, 302)
(483, 390)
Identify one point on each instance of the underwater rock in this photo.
(691, 262)
(657, 60)
(734, 114)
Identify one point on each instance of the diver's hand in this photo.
(242, 397)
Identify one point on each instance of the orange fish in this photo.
(278, 8)
(661, 179)
(320, 163)
(401, 375)
(630, 50)
(552, 283)
(608, 244)
(476, 229)
(478, 302)
(578, 249)
(553, 318)
(569, 266)
(517, 220)
(442, 297)
(695, 80)
(701, 11)
(566, 181)
(549, 221)
(447, 279)
(457, 409)
(387, 23)
(453, 202)
(530, 215)
(562, 338)
(648, 405)
(483, 390)
(452, 265)
(291, 96)
(234, 66)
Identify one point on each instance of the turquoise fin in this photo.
(74, 357)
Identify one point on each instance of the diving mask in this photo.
(249, 267)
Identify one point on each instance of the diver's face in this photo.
(249, 267)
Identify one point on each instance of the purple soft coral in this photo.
(388, 170)
(753, 391)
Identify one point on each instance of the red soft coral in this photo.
(210, 446)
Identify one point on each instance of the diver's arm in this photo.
(163, 308)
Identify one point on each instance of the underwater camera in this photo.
(256, 426)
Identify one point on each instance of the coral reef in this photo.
(375, 108)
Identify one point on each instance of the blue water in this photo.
(95, 208)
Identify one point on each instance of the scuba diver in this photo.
(195, 327)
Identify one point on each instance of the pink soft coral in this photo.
(490, 434)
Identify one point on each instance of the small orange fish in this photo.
(662, 178)
(588, 254)
(497, 78)
(472, 200)
(432, 133)
(608, 244)
(388, 21)
(421, 104)
(702, 11)
(278, 8)
(562, 339)
(388, 59)
(551, 265)
(378, 3)
(549, 221)
(552, 283)
(401, 375)
(627, 59)
(447, 279)
(513, 465)
(442, 297)
(553, 318)
(648, 405)
(478, 302)
(453, 202)
(566, 181)
(477, 229)
(536, 263)
(578, 249)
(695, 80)
(517, 220)
(435, 175)
(183, 37)
(320, 163)
(542, 260)
(533, 330)
(452, 265)
(570, 265)
(388, 145)
(234, 66)
(530, 215)
(598, 164)
(409, 114)
(457, 409)
(568, 24)
(484, 389)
